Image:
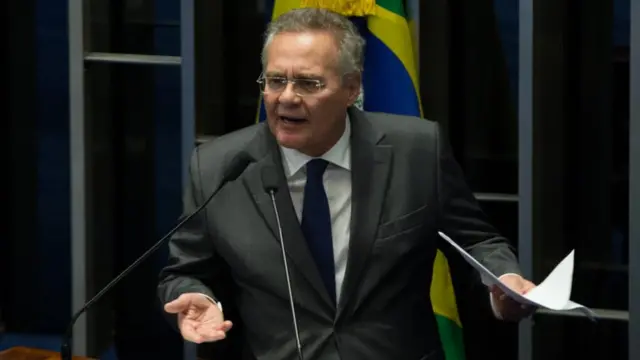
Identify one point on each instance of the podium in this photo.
(25, 353)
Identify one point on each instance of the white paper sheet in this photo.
(552, 293)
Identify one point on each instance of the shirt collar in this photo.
(339, 155)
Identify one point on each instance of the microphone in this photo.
(236, 167)
(270, 183)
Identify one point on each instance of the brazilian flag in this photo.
(390, 85)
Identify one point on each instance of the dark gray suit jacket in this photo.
(406, 186)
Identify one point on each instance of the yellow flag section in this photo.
(390, 85)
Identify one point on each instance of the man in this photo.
(361, 198)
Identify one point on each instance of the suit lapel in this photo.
(371, 164)
(295, 244)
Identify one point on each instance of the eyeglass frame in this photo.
(319, 84)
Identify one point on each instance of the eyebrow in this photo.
(274, 74)
(307, 76)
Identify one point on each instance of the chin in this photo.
(291, 141)
(290, 137)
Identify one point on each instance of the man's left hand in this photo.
(507, 308)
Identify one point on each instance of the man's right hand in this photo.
(199, 319)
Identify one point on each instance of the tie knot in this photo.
(316, 168)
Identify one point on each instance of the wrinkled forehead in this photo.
(312, 53)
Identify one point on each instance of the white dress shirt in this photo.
(337, 185)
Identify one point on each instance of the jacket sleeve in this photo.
(462, 219)
(192, 262)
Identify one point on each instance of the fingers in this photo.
(211, 332)
(209, 326)
(189, 332)
(515, 311)
(495, 290)
(527, 286)
(198, 332)
(178, 305)
(199, 319)
(226, 326)
(184, 301)
(510, 309)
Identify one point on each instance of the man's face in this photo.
(308, 115)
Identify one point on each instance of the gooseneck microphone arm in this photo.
(235, 169)
(270, 182)
(65, 351)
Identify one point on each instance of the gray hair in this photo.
(350, 42)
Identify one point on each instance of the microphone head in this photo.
(270, 179)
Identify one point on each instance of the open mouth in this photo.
(292, 120)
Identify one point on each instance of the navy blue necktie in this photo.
(316, 224)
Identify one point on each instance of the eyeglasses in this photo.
(301, 87)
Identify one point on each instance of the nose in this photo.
(288, 95)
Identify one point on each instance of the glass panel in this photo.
(36, 167)
(227, 64)
(134, 117)
(580, 164)
(483, 123)
(564, 337)
(584, 174)
(504, 216)
(598, 211)
(132, 26)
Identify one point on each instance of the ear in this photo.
(352, 84)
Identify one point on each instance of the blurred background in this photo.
(106, 98)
